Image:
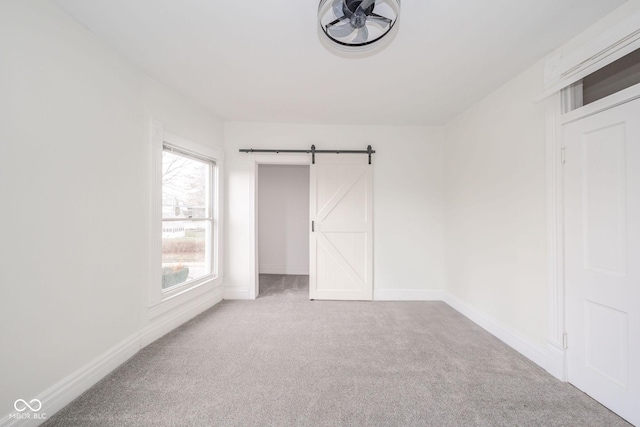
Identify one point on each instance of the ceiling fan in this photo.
(358, 24)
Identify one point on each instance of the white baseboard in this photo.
(274, 269)
(66, 390)
(179, 316)
(537, 353)
(236, 293)
(179, 300)
(408, 294)
(556, 361)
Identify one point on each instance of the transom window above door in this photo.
(611, 79)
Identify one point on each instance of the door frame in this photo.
(257, 160)
(563, 72)
(557, 339)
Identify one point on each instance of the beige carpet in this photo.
(282, 360)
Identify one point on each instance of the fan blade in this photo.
(382, 22)
(332, 23)
(365, 4)
(380, 17)
(363, 35)
(338, 10)
(342, 30)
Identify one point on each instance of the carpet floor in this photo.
(283, 360)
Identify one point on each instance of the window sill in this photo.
(174, 300)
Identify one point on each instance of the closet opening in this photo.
(283, 230)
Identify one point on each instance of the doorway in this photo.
(602, 246)
(283, 229)
(339, 225)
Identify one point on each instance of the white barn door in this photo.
(602, 256)
(341, 246)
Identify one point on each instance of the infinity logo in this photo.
(37, 405)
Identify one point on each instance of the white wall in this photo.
(495, 236)
(495, 206)
(283, 219)
(599, 28)
(74, 180)
(407, 198)
(74, 185)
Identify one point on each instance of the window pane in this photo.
(186, 251)
(185, 186)
(617, 76)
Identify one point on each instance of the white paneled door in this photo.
(602, 256)
(341, 247)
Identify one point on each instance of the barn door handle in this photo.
(313, 227)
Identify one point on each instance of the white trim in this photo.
(186, 295)
(537, 353)
(193, 147)
(562, 71)
(283, 269)
(160, 301)
(155, 213)
(555, 227)
(254, 252)
(556, 363)
(66, 390)
(218, 220)
(606, 103)
(180, 316)
(237, 293)
(254, 261)
(408, 295)
(69, 388)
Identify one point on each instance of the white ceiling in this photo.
(261, 60)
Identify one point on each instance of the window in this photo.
(617, 76)
(185, 228)
(613, 78)
(187, 217)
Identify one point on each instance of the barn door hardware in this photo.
(369, 151)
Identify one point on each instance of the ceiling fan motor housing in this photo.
(357, 25)
(349, 8)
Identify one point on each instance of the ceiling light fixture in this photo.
(358, 26)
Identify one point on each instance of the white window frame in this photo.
(162, 301)
(210, 209)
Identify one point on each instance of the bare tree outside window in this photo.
(186, 218)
